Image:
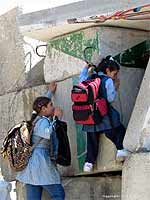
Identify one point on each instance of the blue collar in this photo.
(102, 74)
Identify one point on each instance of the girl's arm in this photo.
(84, 74)
(110, 90)
(51, 89)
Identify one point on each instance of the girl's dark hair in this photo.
(37, 105)
(107, 62)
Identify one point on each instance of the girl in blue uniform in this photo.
(107, 70)
(41, 172)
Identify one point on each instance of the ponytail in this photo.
(33, 116)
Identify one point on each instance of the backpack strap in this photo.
(33, 125)
(34, 122)
(102, 89)
(35, 144)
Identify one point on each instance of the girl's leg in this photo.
(33, 192)
(92, 147)
(116, 135)
(56, 191)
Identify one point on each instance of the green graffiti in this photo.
(137, 56)
(81, 146)
(74, 45)
(80, 138)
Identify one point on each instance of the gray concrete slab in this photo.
(137, 135)
(11, 53)
(65, 54)
(78, 9)
(85, 188)
(135, 177)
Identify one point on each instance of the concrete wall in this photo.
(11, 52)
(138, 132)
(85, 188)
(65, 54)
(135, 177)
(63, 63)
(64, 60)
(77, 10)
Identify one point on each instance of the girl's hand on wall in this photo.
(117, 83)
(58, 112)
(87, 64)
(52, 87)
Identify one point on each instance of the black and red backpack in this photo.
(89, 107)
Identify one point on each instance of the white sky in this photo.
(32, 5)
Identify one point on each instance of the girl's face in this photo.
(48, 110)
(112, 74)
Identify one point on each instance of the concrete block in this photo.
(59, 66)
(85, 188)
(35, 76)
(11, 53)
(116, 40)
(130, 82)
(135, 177)
(138, 131)
(65, 54)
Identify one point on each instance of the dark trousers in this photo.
(116, 135)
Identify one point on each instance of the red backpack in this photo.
(88, 107)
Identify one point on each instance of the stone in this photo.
(85, 188)
(65, 54)
(135, 177)
(138, 131)
(12, 70)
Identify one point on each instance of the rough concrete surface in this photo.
(135, 177)
(77, 10)
(85, 188)
(11, 53)
(59, 64)
(138, 132)
(130, 82)
(62, 62)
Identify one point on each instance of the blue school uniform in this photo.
(110, 124)
(40, 169)
(107, 91)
